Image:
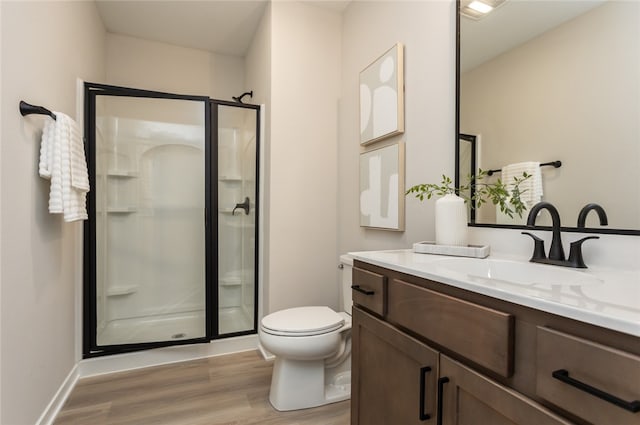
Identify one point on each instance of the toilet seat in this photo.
(302, 321)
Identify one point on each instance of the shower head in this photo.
(239, 98)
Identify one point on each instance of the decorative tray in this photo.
(475, 251)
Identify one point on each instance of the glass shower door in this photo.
(236, 132)
(148, 237)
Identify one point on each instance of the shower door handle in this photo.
(244, 205)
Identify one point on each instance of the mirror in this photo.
(549, 81)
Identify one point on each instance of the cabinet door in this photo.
(469, 398)
(393, 375)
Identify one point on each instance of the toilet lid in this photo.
(302, 321)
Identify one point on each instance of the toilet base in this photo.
(303, 384)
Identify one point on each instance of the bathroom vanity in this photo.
(440, 340)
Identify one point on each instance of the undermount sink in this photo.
(514, 272)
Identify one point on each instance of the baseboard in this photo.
(265, 354)
(58, 400)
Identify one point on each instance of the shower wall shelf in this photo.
(238, 224)
(117, 291)
(230, 281)
(121, 210)
(122, 173)
(230, 178)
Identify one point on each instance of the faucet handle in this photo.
(538, 247)
(575, 252)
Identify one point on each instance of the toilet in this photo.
(312, 349)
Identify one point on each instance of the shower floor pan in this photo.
(165, 327)
(171, 327)
(233, 319)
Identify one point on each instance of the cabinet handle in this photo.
(563, 375)
(423, 375)
(441, 383)
(362, 291)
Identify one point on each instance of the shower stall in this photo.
(170, 247)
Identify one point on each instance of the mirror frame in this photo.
(600, 230)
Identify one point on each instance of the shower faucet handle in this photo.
(244, 205)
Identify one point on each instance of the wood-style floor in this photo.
(224, 390)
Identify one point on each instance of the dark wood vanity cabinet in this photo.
(493, 362)
(396, 375)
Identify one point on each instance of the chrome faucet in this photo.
(556, 253)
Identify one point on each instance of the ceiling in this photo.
(513, 23)
(219, 26)
(228, 26)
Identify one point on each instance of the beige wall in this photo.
(258, 61)
(305, 88)
(45, 47)
(150, 65)
(258, 79)
(507, 101)
(1, 285)
(427, 30)
(227, 77)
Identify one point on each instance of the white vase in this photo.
(451, 221)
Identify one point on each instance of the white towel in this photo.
(48, 132)
(62, 160)
(531, 189)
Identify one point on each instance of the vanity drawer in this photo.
(480, 334)
(369, 290)
(577, 375)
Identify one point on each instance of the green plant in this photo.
(507, 196)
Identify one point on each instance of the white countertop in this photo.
(613, 302)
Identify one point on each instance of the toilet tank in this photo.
(346, 266)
